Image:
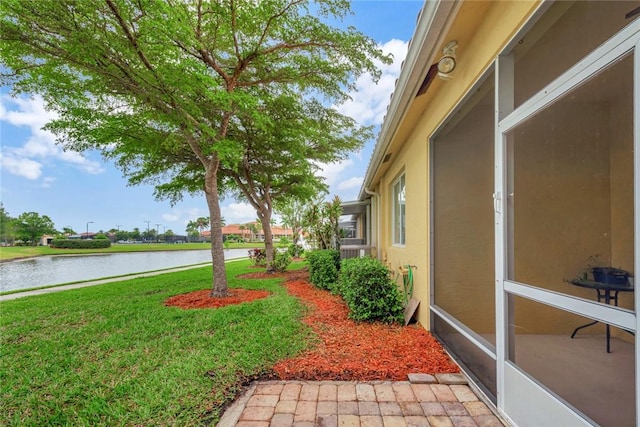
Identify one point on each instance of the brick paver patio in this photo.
(445, 401)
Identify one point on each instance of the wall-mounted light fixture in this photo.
(447, 63)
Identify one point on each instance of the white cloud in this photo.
(238, 213)
(170, 217)
(27, 159)
(331, 171)
(368, 104)
(89, 166)
(30, 113)
(176, 220)
(194, 213)
(20, 166)
(47, 181)
(233, 213)
(350, 184)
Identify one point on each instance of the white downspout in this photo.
(377, 198)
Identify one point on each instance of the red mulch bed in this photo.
(203, 299)
(346, 350)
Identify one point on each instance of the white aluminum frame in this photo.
(509, 377)
(507, 117)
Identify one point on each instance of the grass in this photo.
(16, 252)
(115, 355)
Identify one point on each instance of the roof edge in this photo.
(434, 17)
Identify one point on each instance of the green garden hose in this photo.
(407, 281)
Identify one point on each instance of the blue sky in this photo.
(75, 188)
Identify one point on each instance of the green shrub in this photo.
(323, 268)
(258, 256)
(369, 292)
(284, 241)
(295, 251)
(281, 261)
(80, 244)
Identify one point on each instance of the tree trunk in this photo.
(265, 220)
(296, 235)
(217, 248)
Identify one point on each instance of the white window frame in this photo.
(399, 224)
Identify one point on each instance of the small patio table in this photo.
(607, 293)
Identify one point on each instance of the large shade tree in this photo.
(31, 226)
(6, 226)
(157, 85)
(281, 152)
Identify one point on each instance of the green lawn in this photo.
(115, 355)
(15, 252)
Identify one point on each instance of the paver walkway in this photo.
(446, 401)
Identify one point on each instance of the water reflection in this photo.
(54, 270)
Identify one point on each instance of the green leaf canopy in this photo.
(171, 90)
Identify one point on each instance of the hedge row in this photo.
(80, 244)
(364, 284)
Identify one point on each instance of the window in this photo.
(399, 212)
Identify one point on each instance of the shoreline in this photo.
(26, 258)
(11, 295)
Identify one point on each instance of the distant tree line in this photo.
(29, 227)
(318, 220)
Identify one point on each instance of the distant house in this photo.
(245, 233)
(279, 232)
(46, 240)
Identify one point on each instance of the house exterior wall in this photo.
(563, 180)
(410, 161)
(482, 29)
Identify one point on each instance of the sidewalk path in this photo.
(441, 401)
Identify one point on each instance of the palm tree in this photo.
(254, 230)
(258, 225)
(242, 227)
(192, 229)
(203, 223)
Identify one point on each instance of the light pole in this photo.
(87, 235)
(147, 229)
(158, 232)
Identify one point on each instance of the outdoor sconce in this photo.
(447, 63)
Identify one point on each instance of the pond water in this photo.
(54, 270)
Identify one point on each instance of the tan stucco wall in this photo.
(482, 29)
(565, 212)
(411, 161)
